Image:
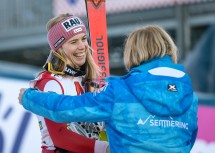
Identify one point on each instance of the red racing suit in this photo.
(81, 137)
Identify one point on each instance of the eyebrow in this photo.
(77, 39)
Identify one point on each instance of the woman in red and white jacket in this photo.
(68, 70)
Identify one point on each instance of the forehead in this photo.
(78, 36)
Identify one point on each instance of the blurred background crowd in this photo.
(191, 23)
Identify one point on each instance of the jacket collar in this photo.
(144, 67)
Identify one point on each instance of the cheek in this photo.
(69, 49)
(86, 45)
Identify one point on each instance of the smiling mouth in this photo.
(79, 54)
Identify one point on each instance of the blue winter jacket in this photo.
(152, 109)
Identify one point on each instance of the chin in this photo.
(80, 64)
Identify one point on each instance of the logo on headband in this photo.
(71, 23)
(59, 41)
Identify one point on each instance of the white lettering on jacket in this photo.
(163, 122)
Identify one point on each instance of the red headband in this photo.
(64, 30)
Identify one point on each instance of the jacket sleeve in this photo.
(64, 138)
(90, 107)
(68, 140)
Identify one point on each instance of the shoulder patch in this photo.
(172, 87)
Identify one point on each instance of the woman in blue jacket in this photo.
(152, 109)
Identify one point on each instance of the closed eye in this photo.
(84, 38)
(73, 41)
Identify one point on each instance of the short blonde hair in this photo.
(147, 43)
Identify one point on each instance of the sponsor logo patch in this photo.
(96, 3)
(172, 87)
(71, 23)
(59, 41)
(40, 125)
(77, 30)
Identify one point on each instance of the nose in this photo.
(81, 45)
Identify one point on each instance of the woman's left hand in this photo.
(21, 91)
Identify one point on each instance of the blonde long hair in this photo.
(92, 70)
(147, 43)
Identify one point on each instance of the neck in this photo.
(73, 72)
